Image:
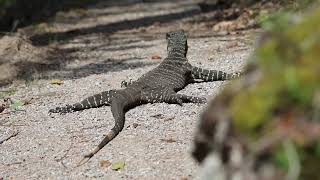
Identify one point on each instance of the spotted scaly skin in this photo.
(158, 85)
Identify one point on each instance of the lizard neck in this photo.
(177, 52)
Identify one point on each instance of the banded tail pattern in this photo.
(213, 75)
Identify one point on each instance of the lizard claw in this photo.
(85, 159)
(202, 100)
(180, 102)
(125, 83)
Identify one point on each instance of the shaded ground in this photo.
(101, 46)
(21, 13)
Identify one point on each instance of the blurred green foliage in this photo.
(284, 98)
(291, 72)
(4, 3)
(16, 105)
(279, 20)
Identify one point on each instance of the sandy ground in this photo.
(157, 139)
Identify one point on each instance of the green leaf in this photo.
(118, 165)
(56, 81)
(317, 148)
(16, 105)
(280, 158)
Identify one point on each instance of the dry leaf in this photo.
(28, 100)
(232, 45)
(168, 140)
(56, 81)
(169, 118)
(135, 125)
(118, 165)
(158, 116)
(156, 57)
(2, 108)
(224, 26)
(105, 163)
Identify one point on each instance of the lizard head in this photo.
(177, 43)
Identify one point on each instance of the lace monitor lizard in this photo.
(158, 85)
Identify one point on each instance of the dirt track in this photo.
(102, 46)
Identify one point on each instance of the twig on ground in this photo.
(9, 137)
(9, 112)
(64, 156)
(10, 125)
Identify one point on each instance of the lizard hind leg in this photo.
(163, 95)
(96, 100)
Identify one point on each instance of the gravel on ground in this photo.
(157, 139)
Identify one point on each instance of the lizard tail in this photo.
(213, 75)
(94, 101)
(118, 112)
